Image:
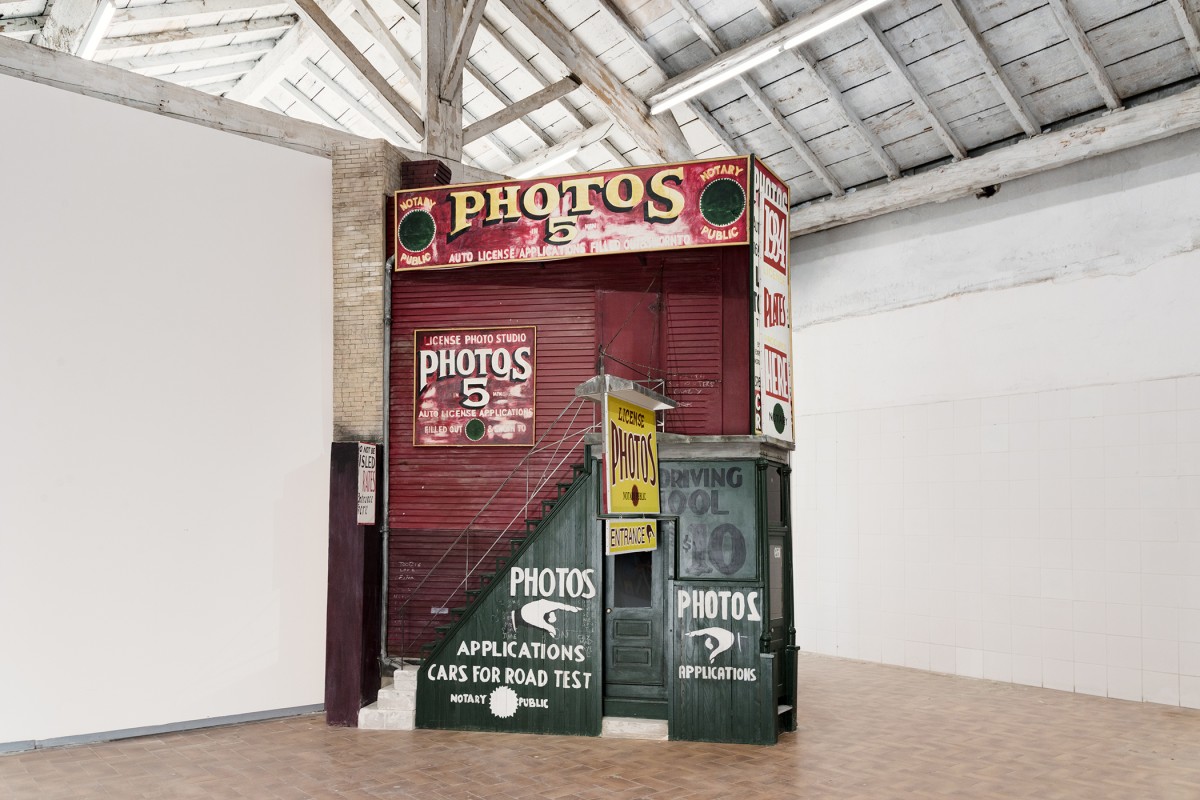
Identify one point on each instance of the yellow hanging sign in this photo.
(630, 458)
(629, 535)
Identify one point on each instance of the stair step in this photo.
(515, 543)
(633, 728)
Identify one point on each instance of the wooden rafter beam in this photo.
(853, 121)
(896, 64)
(68, 21)
(321, 115)
(217, 87)
(413, 15)
(197, 35)
(794, 139)
(355, 104)
(460, 48)
(1116, 131)
(174, 59)
(638, 40)
(659, 136)
(21, 27)
(198, 77)
(758, 50)
(367, 18)
(1087, 54)
(973, 39)
(764, 103)
(443, 104)
(513, 112)
(155, 96)
(536, 74)
(560, 152)
(289, 49)
(332, 37)
(1190, 26)
(188, 8)
(768, 9)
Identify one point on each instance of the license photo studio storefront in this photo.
(590, 417)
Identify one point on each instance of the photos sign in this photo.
(661, 207)
(630, 458)
(772, 379)
(474, 386)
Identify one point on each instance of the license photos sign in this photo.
(474, 386)
(661, 207)
(630, 458)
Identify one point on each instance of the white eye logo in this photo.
(540, 614)
(718, 640)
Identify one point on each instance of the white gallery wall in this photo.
(165, 413)
(998, 462)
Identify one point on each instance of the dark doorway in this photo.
(634, 630)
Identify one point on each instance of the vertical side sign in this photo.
(366, 483)
(630, 458)
(772, 307)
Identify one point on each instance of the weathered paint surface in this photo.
(697, 302)
(719, 679)
(528, 657)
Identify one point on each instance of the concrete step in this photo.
(378, 719)
(396, 707)
(633, 728)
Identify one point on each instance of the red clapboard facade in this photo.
(679, 317)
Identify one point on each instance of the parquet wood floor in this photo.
(867, 731)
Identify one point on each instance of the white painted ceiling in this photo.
(912, 85)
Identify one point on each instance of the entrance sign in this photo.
(772, 379)
(474, 386)
(629, 536)
(663, 207)
(367, 472)
(630, 458)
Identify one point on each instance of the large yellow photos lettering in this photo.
(630, 459)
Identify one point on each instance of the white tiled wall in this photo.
(1049, 538)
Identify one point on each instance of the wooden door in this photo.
(635, 636)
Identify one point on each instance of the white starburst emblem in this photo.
(503, 702)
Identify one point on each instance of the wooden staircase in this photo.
(486, 579)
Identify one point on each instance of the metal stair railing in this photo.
(532, 490)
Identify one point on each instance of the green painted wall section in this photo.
(527, 657)
(721, 684)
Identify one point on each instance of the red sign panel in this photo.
(474, 386)
(663, 207)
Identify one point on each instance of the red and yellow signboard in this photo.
(474, 386)
(663, 207)
(630, 458)
(772, 307)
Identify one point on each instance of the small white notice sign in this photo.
(366, 484)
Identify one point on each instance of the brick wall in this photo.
(364, 175)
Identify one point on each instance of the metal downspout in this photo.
(384, 659)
